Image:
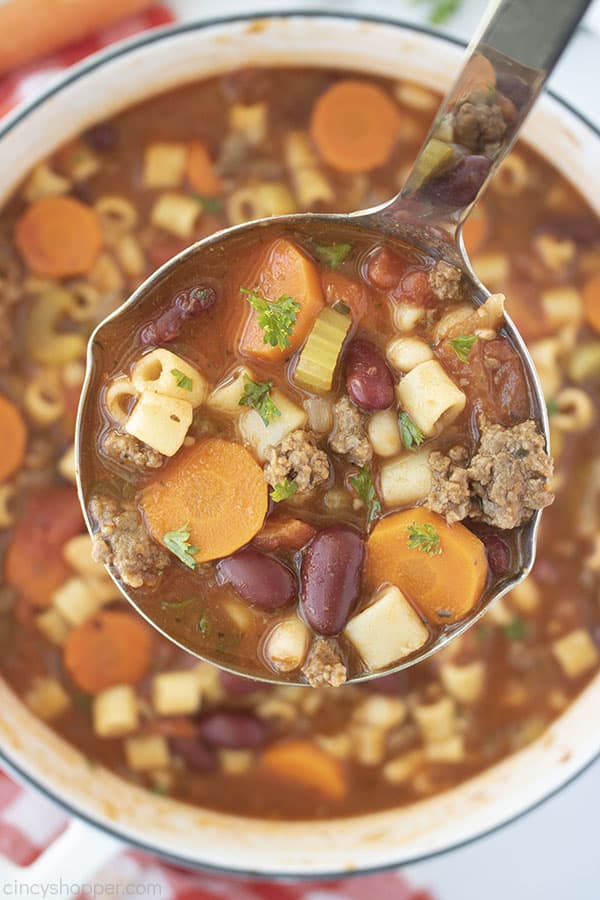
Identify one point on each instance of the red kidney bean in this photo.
(234, 730)
(498, 554)
(330, 577)
(384, 269)
(460, 185)
(238, 686)
(259, 579)
(415, 288)
(194, 752)
(369, 382)
(185, 305)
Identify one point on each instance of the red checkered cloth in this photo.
(29, 823)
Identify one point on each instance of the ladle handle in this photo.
(506, 65)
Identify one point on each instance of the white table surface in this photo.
(551, 853)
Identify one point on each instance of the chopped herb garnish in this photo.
(364, 487)
(276, 317)
(444, 613)
(211, 205)
(333, 255)
(204, 625)
(442, 10)
(257, 394)
(178, 542)
(424, 537)
(551, 407)
(515, 630)
(176, 604)
(412, 437)
(463, 345)
(284, 490)
(182, 380)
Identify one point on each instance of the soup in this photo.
(149, 711)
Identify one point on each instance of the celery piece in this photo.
(435, 155)
(319, 357)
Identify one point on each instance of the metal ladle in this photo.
(513, 52)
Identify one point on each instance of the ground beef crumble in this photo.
(128, 450)
(299, 459)
(447, 282)
(479, 123)
(349, 436)
(324, 665)
(504, 483)
(122, 541)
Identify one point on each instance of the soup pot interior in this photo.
(96, 90)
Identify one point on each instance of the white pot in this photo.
(107, 84)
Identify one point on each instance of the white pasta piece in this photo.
(416, 97)
(225, 398)
(287, 644)
(44, 398)
(239, 613)
(83, 163)
(260, 436)
(512, 177)
(249, 121)
(492, 269)
(450, 750)
(401, 768)
(236, 762)
(436, 721)
(576, 653)
(406, 316)
(106, 275)
(67, 465)
(584, 362)
(430, 397)
(384, 433)
(44, 182)
(53, 626)
(84, 302)
(161, 422)
(404, 353)
(545, 355)
(176, 693)
(526, 596)
(8, 495)
(47, 698)
(464, 682)
(210, 682)
(130, 255)
(77, 552)
(450, 320)
(562, 306)
(277, 708)
(557, 254)
(117, 215)
(310, 184)
(499, 613)
(260, 201)
(380, 711)
(147, 752)
(164, 164)
(320, 414)
(115, 711)
(176, 213)
(405, 480)
(75, 601)
(368, 744)
(73, 374)
(118, 398)
(165, 373)
(387, 630)
(46, 341)
(338, 745)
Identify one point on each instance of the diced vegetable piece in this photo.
(451, 580)
(161, 422)
(585, 360)
(430, 397)
(464, 682)
(576, 653)
(77, 551)
(284, 532)
(286, 271)
(176, 693)
(591, 301)
(384, 433)
(562, 306)
(406, 479)
(225, 398)
(404, 353)
(164, 164)
(45, 338)
(147, 752)
(14, 438)
(115, 711)
(401, 768)
(449, 751)
(287, 644)
(387, 630)
(319, 358)
(260, 436)
(436, 721)
(75, 601)
(200, 171)
(52, 625)
(307, 766)
(339, 289)
(434, 156)
(58, 237)
(163, 372)
(176, 213)
(379, 711)
(236, 762)
(110, 648)
(47, 698)
(197, 489)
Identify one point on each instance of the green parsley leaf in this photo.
(442, 10)
(516, 630)
(182, 380)
(462, 346)
(175, 604)
(276, 317)
(332, 255)
(178, 542)
(411, 436)
(211, 205)
(257, 394)
(203, 625)
(425, 538)
(364, 487)
(551, 407)
(284, 490)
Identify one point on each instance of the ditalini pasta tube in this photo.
(430, 397)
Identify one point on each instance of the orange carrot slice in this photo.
(451, 581)
(305, 764)
(591, 301)
(110, 648)
(14, 438)
(58, 237)
(355, 125)
(200, 489)
(286, 270)
(200, 171)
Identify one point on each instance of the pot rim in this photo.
(20, 114)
